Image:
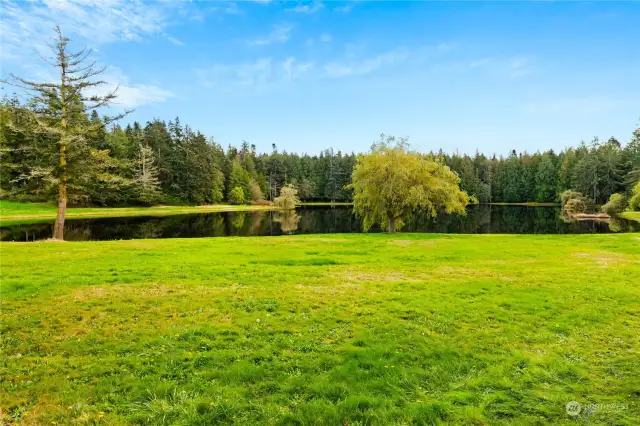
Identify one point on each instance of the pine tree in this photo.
(59, 113)
(146, 177)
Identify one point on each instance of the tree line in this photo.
(167, 162)
(55, 146)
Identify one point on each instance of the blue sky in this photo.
(312, 75)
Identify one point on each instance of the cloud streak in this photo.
(279, 34)
(306, 8)
(260, 73)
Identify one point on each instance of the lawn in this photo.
(322, 330)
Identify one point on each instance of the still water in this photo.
(482, 219)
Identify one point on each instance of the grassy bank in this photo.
(12, 212)
(15, 212)
(322, 330)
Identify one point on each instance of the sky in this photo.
(306, 76)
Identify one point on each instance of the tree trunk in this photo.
(392, 225)
(58, 229)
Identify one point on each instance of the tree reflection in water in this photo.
(479, 220)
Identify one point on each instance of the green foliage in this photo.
(236, 196)
(239, 178)
(391, 182)
(146, 179)
(634, 201)
(342, 329)
(574, 202)
(194, 169)
(617, 204)
(288, 198)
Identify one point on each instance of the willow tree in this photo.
(392, 182)
(59, 114)
(288, 198)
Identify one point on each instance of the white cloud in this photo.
(343, 9)
(130, 95)
(29, 25)
(306, 8)
(279, 34)
(258, 74)
(175, 41)
(338, 69)
(514, 67)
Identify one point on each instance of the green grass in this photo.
(322, 330)
(12, 212)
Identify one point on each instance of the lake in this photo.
(483, 219)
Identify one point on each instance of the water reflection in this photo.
(480, 219)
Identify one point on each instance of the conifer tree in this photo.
(59, 114)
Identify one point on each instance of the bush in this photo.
(634, 201)
(575, 206)
(236, 196)
(256, 192)
(569, 194)
(574, 202)
(288, 198)
(617, 203)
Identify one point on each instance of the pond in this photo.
(483, 219)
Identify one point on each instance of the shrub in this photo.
(236, 196)
(574, 206)
(569, 194)
(617, 203)
(288, 198)
(574, 202)
(634, 201)
(256, 193)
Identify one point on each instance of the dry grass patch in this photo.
(603, 258)
(470, 273)
(407, 243)
(142, 291)
(355, 276)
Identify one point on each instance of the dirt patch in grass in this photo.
(407, 243)
(470, 273)
(147, 291)
(603, 258)
(353, 276)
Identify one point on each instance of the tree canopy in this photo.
(390, 182)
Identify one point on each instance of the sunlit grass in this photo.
(321, 329)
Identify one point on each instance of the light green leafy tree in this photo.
(288, 198)
(236, 196)
(391, 182)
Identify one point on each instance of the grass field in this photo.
(322, 330)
